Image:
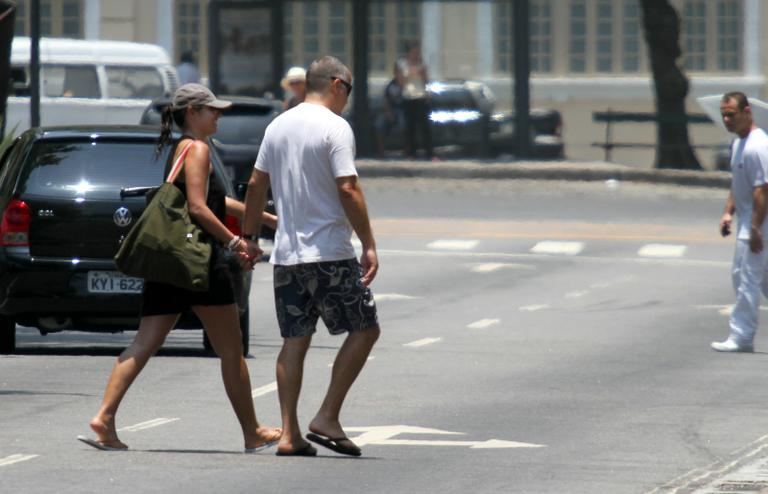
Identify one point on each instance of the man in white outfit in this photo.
(748, 200)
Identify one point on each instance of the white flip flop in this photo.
(261, 447)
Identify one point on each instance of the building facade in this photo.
(586, 55)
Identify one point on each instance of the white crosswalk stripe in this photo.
(383, 297)
(10, 460)
(148, 424)
(662, 250)
(483, 323)
(453, 244)
(490, 267)
(558, 248)
(422, 342)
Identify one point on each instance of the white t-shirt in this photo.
(749, 168)
(304, 150)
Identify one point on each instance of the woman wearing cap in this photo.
(195, 110)
(295, 81)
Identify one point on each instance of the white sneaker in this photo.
(731, 346)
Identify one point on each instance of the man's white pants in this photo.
(749, 280)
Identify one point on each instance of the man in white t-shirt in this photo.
(748, 199)
(307, 156)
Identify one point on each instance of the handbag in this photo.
(165, 245)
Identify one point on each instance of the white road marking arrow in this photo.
(383, 436)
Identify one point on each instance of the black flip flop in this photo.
(99, 445)
(306, 450)
(342, 445)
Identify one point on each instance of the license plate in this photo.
(113, 282)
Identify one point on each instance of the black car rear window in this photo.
(95, 169)
(243, 125)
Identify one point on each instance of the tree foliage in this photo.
(7, 21)
(661, 24)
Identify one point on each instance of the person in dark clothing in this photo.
(195, 110)
(415, 100)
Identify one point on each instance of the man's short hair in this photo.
(740, 98)
(322, 70)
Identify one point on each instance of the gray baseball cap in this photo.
(193, 94)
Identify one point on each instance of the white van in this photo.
(88, 82)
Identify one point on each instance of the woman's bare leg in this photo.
(149, 338)
(222, 324)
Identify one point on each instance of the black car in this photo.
(65, 202)
(461, 114)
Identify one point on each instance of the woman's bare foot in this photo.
(263, 437)
(106, 433)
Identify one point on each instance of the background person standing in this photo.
(748, 199)
(308, 157)
(187, 68)
(295, 85)
(413, 73)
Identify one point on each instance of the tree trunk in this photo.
(662, 33)
(7, 21)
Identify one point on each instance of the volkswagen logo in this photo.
(122, 217)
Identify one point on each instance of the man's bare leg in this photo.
(290, 371)
(347, 366)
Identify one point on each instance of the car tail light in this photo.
(14, 229)
(233, 224)
(559, 128)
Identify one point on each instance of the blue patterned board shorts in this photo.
(331, 290)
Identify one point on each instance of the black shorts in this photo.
(331, 290)
(162, 298)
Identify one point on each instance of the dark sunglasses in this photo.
(347, 85)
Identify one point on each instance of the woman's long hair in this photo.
(167, 119)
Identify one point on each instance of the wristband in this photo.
(253, 237)
(233, 243)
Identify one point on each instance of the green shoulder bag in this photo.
(165, 245)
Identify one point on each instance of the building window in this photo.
(392, 26)
(541, 35)
(540, 32)
(339, 17)
(188, 26)
(729, 35)
(317, 28)
(58, 18)
(631, 41)
(71, 26)
(377, 29)
(287, 34)
(604, 37)
(20, 28)
(503, 37)
(695, 35)
(578, 37)
(408, 24)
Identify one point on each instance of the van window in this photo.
(134, 82)
(72, 81)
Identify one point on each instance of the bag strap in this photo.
(179, 162)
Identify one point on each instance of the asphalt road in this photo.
(537, 337)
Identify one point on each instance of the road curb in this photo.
(540, 171)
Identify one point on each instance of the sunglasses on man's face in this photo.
(347, 85)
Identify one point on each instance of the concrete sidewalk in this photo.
(540, 170)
